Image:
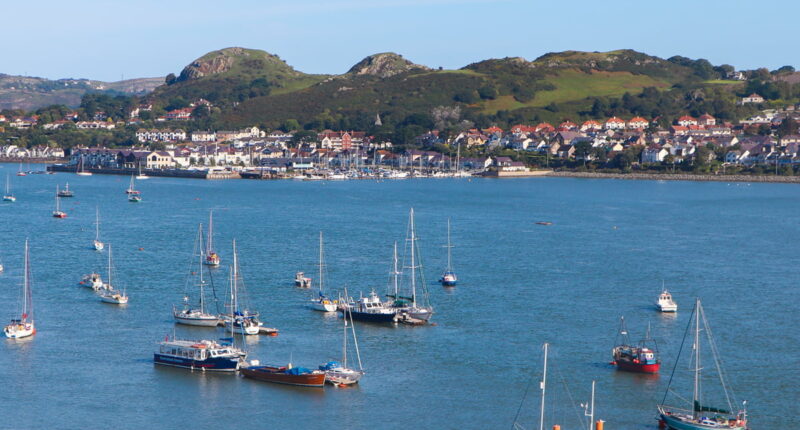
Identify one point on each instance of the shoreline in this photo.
(677, 177)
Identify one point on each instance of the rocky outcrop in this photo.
(248, 61)
(384, 65)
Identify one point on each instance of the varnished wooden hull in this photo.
(279, 376)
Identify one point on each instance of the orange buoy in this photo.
(556, 427)
(141, 249)
(598, 425)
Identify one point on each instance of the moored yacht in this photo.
(205, 355)
(8, 196)
(108, 294)
(58, 213)
(66, 192)
(23, 326)
(93, 281)
(449, 278)
(322, 302)
(196, 315)
(211, 256)
(665, 303)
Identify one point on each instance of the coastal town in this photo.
(766, 142)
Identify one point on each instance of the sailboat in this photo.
(108, 294)
(20, 172)
(588, 408)
(131, 189)
(415, 309)
(141, 175)
(338, 373)
(449, 278)
(58, 213)
(80, 171)
(8, 196)
(191, 315)
(23, 327)
(634, 358)
(241, 321)
(322, 303)
(66, 192)
(211, 257)
(697, 416)
(97, 244)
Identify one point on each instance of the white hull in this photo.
(324, 305)
(84, 174)
(210, 321)
(98, 246)
(667, 308)
(142, 177)
(9, 199)
(343, 376)
(18, 331)
(114, 299)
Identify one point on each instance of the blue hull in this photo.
(370, 317)
(216, 364)
(448, 283)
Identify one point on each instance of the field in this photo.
(572, 85)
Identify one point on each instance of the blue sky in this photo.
(106, 40)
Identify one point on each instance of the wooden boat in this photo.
(24, 326)
(696, 416)
(634, 358)
(287, 375)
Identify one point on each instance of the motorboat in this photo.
(665, 303)
(203, 355)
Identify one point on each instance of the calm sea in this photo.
(611, 245)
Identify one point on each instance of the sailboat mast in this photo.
(543, 386)
(449, 246)
(209, 242)
(413, 266)
(200, 268)
(355, 339)
(696, 394)
(234, 278)
(58, 201)
(395, 272)
(110, 285)
(96, 223)
(344, 341)
(321, 263)
(591, 410)
(27, 302)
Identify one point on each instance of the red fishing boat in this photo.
(286, 375)
(634, 358)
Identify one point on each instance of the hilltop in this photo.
(29, 93)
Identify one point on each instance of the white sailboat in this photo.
(321, 302)
(449, 278)
(58, 213)
(80, 171)
(337, 373)
(191, 315)
(697, 416)
(141, 175)
(97, 244)
(131, 188)
(211, 256)
(8, 196)
(24, 326)
(419, 308)
(240, 320)
(109, 294)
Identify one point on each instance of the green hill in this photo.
(255, 87)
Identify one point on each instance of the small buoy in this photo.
(273, 334)
(613, 363)
(141, 249)
(615, 227)
(434, 324)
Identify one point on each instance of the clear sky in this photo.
(108, 39)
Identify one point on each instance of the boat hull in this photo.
(324, 305)
(343, 376)
(628, 366)
(675, 423)
(372, 317)
(278, 376)
(196, 321)
(19, 332)
(217, 364)
(448, 283)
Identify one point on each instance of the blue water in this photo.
(611, 244)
